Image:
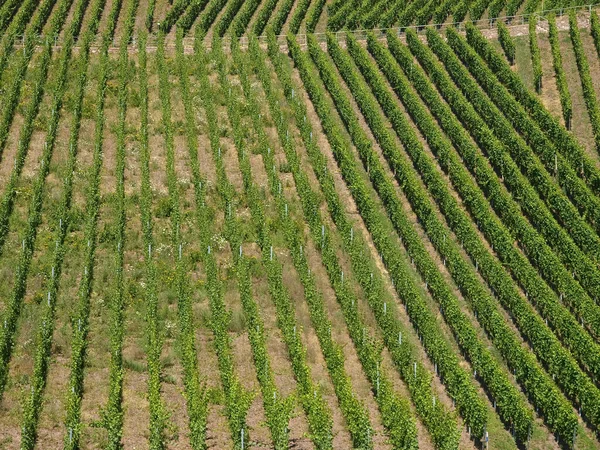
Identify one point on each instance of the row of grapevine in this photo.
(354, 411)
(317, 411)
(17, 294)
(243, 17)
(113, 413)
(506, 42)
(186, 21)
(536, 60)
(589, 94)
(26, 132)
(173, 15)
(81, 316)
(557, 361)
(229, 13)
(153, 334)
(277, 409)
(263, 16)
(441, 424)
(512, 7)
(500, 200)
(395, 413)
(513, 409)
(461, 11)
(563, 142)
(496, 7)
(298, 16)
(313, 15)
(557, 248)
(477, 9)
(595, 30)
(150, 14)
(409, 14)
(33, 406)
(371, 17)
(209, 14)
(237, 399)
(197, 406)
(281, 17)
(559, 71)
(429, 12)
(444, 10)
(388, 19)
(526, 370)
(457, 380)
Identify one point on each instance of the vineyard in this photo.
(299, 224)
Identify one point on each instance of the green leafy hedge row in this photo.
(395, 412)
(197, 406)
(496, 7)
(567, 328)
(561, 79)
(150, 15)
(506, 42)
(243, 17)
(195, 394)
(229, 13)
(209, 15)
(460, 386)
(570, 331)
(553, 248)
(27, 23)
(540, 145)
(173, 15)
(281, 17)
(313, 15)
(298, 16)
(263, 16)
(186, 21)
(311, 399)
(536, 60)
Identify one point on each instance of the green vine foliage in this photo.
(536, 60)
(506, 42)
(559, 71)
